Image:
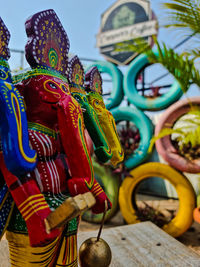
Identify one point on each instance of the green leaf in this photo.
(164, 132)
(179, 65)
(185, 14)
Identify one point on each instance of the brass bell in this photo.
(95, 252)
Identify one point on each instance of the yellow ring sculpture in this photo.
(184, 217)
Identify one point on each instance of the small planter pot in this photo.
(130, 90)
(145, 127)
(116, 75)
(164, 145)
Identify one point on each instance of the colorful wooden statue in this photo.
(14, 141)
(14, 131)
(76, 79)
(93, 85)
(56, 133)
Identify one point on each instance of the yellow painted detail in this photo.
(99, 193)
(30, 205)
(34, 211)
(107, 123)
(6, 75)
(52, 92)
(38, 196)
(19, 130)
(22, 254)
(81, 132)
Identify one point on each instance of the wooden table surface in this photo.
(142, 244)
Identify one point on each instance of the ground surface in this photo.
(191, 238)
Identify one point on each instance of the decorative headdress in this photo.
(93, 81)
(4, 40)
(48, 43)
(47, 47)
(75, 75)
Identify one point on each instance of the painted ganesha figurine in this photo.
(39, 183)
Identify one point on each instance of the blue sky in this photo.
(80, 18)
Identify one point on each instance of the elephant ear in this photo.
(93, 81)
(48, 43)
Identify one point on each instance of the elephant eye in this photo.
(64, 88)
(77, 97)
(97, 102)
(52, 85)
(2, 74)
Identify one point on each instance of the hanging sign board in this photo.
(123, 22)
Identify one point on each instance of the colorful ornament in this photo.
(48, 43)
(93, 85)
(56, 133)
(76, 78)
(14, 142)
(93, 81)
(19, 157)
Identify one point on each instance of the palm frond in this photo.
(191, 137)
(187, 135)
(184, 14)
(179, 65)
(195, 53)
(164, 132)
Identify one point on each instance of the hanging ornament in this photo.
(95, 251)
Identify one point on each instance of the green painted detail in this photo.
(72, 225)
(124, 17)
(4, 63)
(107, 149)
(81, 98)
(102, 151)
(87, 155)
(77, 86)
(95, 95)
(53, 57)
(41, 70)
(42, 129)
(114, 128)
(17, 223)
